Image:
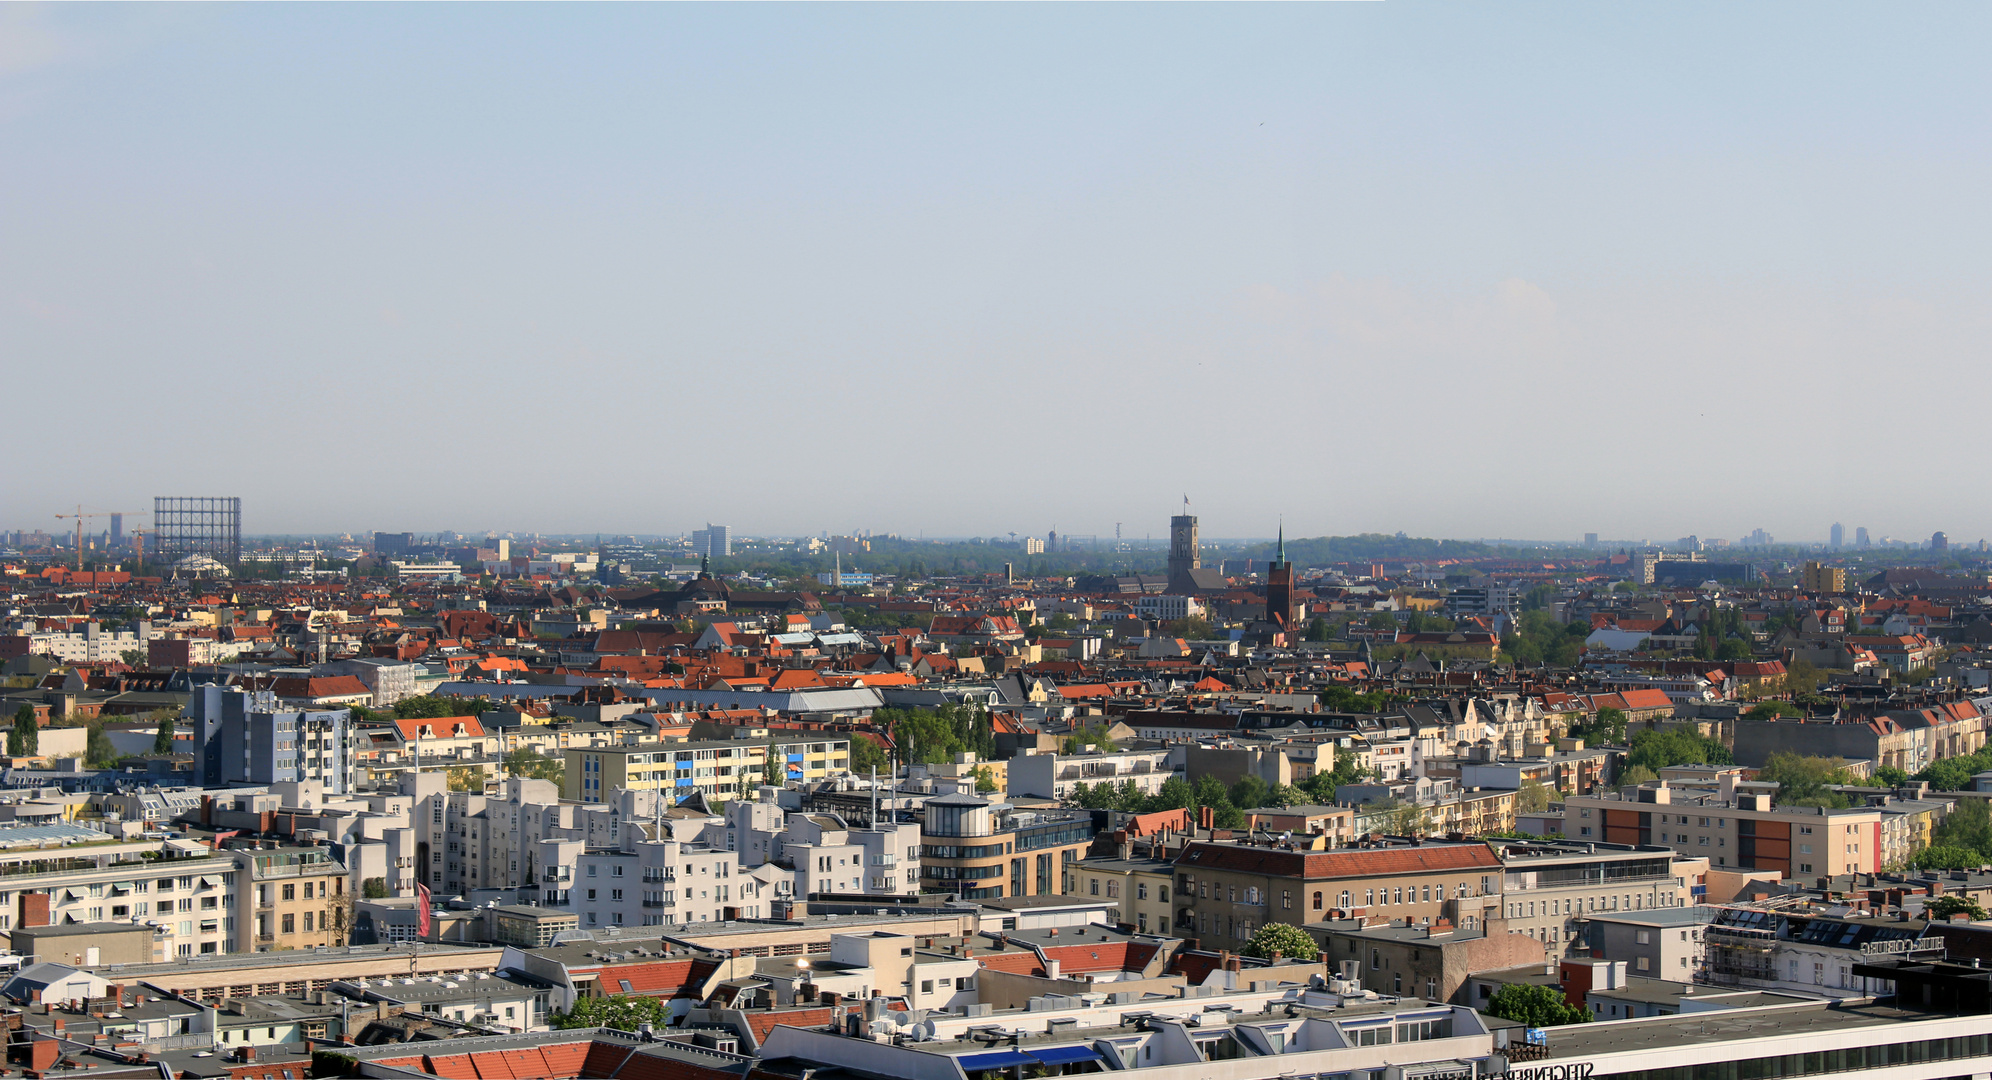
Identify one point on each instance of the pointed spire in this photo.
(1282, 555)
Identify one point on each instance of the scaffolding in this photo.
(184, 527)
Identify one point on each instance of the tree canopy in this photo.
(1281, 938)
(1941, 908)
(1802, 781)
(530, 763)
(1964, 840)
(1536, 1006)
(1657, 750)
(1537, 638)
(935, 736)
(25, 736)
(624, 1013)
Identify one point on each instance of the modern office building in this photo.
(986, 851)
(713, 541)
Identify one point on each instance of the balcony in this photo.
(659, 904)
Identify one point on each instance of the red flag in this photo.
(422, 925)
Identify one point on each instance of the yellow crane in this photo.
(79, 515)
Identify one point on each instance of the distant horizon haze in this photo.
(1443, 269)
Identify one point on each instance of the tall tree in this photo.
(162, 739)
(25, 735)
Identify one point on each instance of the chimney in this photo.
(34, 909)
(43, 1054)
(1205, 817)
(248, 1053)
(117, 995)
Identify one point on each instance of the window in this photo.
(290, 891)
(290, 923)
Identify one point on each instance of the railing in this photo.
(178, 1042)
(660, 903)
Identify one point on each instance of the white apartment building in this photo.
(671, 883)
(827, 855)
(93, 644)
(186, 893)
(1169, 607)
(1053, 776)
(390, 680)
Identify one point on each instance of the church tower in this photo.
(1279, 588)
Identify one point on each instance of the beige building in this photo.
(1734, 829)
(968, 847)
(1137, 884)
(290, 898)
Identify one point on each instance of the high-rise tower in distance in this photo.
(1839, 535)
(1183, 556)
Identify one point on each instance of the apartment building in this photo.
(988, 852)
(827, 854)
(718, 769)
(1667, 943)
(672, 883)
(291, 898)
(1733, 829)
(1137, 885)
(1053, 776)
(90, 645)
(187, 893)
(472, 840)
(1550, 889)
(249, 738)
(1226, 890)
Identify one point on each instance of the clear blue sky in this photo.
(1521, 270)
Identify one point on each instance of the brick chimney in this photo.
(248, 1053)
(34, 909)
(43, 1054)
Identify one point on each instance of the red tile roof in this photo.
(439, 727)
(761, 1023)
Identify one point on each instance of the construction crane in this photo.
(79, 515)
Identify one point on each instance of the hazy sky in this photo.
(1473, 270)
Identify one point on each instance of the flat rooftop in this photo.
(1669, 1032)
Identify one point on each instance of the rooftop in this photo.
(1631, 1036)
